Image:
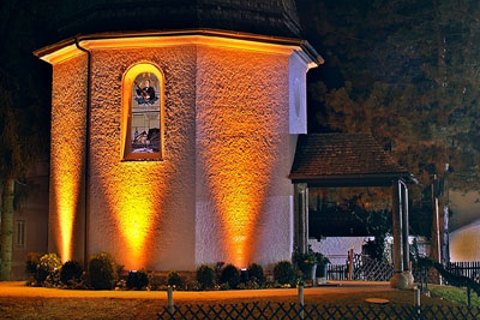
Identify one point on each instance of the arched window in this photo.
(142, 109)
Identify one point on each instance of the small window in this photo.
(20, 239)
(142, 107)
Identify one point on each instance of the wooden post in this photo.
(405, 226)
(350, 264)
(171, 307)
(397, 227)
(301, 216)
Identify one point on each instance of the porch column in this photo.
(406, 232)
(399, 280)
(405, 226)
(397, 227)
(301, 216)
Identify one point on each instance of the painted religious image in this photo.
(146, 114)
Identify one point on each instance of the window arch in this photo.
(142, 112)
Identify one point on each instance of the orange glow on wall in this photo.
(134, 204)
(240, 142)
(226, 132)
(67, 151)
(465, 244)
(66, 206)
(134, 189)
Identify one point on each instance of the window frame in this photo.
(128, 79)
(20, 241)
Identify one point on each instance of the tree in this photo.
(24, 120)
(408, 73)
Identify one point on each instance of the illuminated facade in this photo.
(198, 175)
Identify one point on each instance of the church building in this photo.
(174, 129)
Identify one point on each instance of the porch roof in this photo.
(340, 159)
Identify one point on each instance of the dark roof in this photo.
(264, 17)
(339, 159)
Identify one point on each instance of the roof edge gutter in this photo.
(274, 40)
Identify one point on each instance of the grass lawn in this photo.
(145, 305)
(455, 295)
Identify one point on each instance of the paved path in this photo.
(18, 289)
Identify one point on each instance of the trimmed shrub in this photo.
(174, 279)
(206, 276)
(137, 280)
(218, 269)
(283, 272)
(230, 275)
(252, 285)
(48, 268)
(33, 259)
(71, 272)
(102, 271)
(255, 273)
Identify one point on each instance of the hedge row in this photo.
(104, 274)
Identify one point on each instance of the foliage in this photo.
(137, 280)
(24, 116)
(174, 279)
(31, 265)
(375, 248)
(218, 269)
(407, 73)
(231, 275)
(102, 271)
(253, 285)
(192, 285)
(283, 273)
(321, 259)
(206, 276)
(71, 272)
(255, 274)
(48, 268)
(304, 262)
(455, 295)
(308, 257)
(452, 279)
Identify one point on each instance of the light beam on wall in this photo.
(239, 142)
(134, 190)
(134, 203)
(67, 150)
(66, 198)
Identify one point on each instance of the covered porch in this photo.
(351, 160)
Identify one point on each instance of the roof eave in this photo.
(374, 179)
(309, 51)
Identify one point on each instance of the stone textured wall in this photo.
(221, 191)
(143, 211)
(297, 95)
(243, 194)
(66, 213)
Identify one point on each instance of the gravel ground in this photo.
(20, 302)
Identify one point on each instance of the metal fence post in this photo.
(171, 307)
(301, 302)
(469, 296)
